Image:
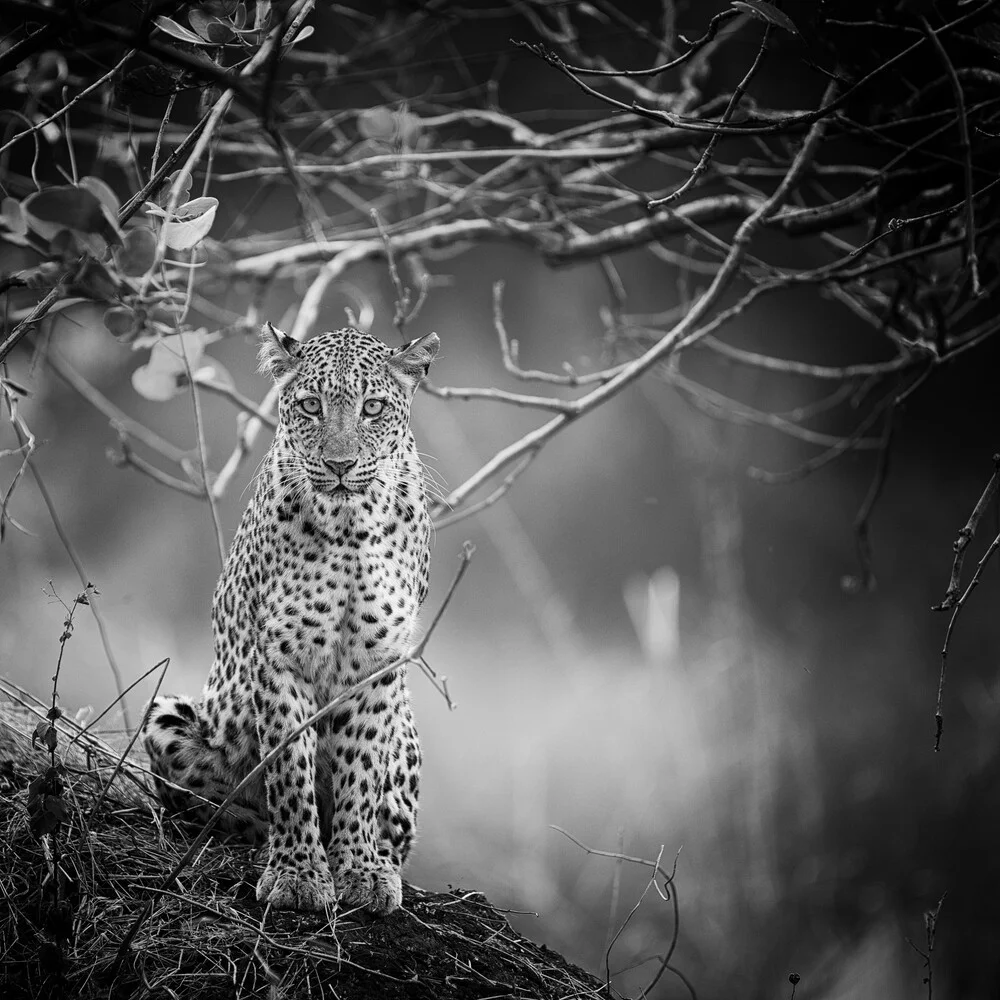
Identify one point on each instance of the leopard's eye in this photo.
(372, 407)
(311, 405)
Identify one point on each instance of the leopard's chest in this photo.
(340, 596)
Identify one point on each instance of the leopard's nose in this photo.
(340, 468)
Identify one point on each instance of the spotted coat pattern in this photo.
(321, 588)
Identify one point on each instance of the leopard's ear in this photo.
(279, 354)
(411, 362)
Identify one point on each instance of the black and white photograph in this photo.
(499, 499)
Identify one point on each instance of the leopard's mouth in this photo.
(342, 490)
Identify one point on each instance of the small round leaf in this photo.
(138, 253)
(156, 385)
(377, 123)
(766, 12)
(178, 31)
(102, 191)
(209, 27)
(12, 217)
(190, 224)
(120, 323)
(64, 207)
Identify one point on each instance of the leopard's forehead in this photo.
(344, 356)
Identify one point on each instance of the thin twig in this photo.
(862, 520)
(959, 604)
(498, 396)
(56, 115)
(81, 573)
(971, 259)
(706, 157)
(242, 402)
(120, 420)
(127, 457)
(165, 663)
(965, 536)
(199, 423)
(846, 443)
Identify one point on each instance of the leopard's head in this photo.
(344, 408)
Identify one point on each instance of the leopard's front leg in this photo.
(364, 741)
(298, 874)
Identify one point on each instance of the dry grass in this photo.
(71, 897)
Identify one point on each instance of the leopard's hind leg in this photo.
(191, 776)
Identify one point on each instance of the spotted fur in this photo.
(321, 588)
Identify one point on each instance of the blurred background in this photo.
(651, 650)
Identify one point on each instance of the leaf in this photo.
(190, 224)
(64, 207)
(168, 352)
(48, 73)
(101, 190)
(45, 733)
(156, 385)
(120, 322)
(386, 125)
(138, 252)
(376, 123)
(303, 34)
(213, 373)
(50, 131)
(163, 198)
(409, 127)
(161, 378)
(766, 12)
(96, 281)
(209, 27)
(68, 244)
(12, 217)
(46, 814)
(178, 31)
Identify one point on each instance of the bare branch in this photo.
(971, 260)
(965, 536)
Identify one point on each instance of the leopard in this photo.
(320, 590)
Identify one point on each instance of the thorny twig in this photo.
(955, 598)
(965, 536)
(931, 918)
(668, 891)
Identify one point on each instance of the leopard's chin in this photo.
(341, 492)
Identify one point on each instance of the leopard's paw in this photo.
(288, 888)
(375, 886)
